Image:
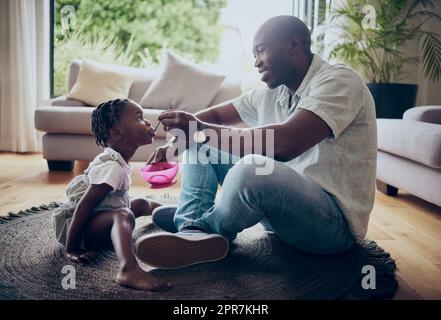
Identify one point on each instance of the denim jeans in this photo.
(297, 210)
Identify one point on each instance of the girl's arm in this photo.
(91, 198)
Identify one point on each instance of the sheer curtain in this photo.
(24, 76)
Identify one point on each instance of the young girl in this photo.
(99, 208)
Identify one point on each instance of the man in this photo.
(320, 192)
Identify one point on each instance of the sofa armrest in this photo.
(431, 114)
(62, 101)
(414, 140)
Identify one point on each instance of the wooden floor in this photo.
(407, 227)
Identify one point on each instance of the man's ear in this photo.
(295, 43)
(116, 133)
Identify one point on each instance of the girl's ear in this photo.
(116, 134)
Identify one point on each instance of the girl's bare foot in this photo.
(141, 280)
(143, 207)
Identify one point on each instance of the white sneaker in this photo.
(177, 250)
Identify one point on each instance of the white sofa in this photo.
(66, 122)
(409, 154)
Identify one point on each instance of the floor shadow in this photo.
(420, 203)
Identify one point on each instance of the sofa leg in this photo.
(58, 165)
(386, 189)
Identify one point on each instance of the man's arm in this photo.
(303, 130)
(225, 114)
(292, 137)
(221, 114)
(298, 133)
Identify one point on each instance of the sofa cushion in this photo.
(183, 85)
(141, 73)
(141, 84)
(414, 140)
(64, 101)
(76, 120)
(230, 88)
(97, 83)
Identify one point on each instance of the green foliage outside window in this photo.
(131, 32)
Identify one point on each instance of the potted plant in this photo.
(371, 39)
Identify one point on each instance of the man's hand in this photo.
(177, 120)
(172, 119)
(81, 256)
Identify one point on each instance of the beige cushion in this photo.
(183, 85)
(98, 83)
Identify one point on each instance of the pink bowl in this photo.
(160, 173)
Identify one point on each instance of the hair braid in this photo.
(104, 118)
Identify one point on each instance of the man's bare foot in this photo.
(153, 205)
(141, 280)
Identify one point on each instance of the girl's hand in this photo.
(160, 153)
(81, 256)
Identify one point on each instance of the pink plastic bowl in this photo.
(160, 173)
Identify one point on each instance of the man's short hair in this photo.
(285, 26)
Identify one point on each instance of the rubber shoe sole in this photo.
(172, 251)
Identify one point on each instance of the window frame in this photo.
(51, 44)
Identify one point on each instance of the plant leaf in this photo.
(431, 47)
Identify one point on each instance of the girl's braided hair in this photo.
(104, 117)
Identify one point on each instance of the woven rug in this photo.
(258, 266)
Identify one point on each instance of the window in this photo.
(240, 20)
(314, 13)
(133, 32)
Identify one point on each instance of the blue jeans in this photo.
(297, 210)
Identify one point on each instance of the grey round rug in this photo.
(259, 266)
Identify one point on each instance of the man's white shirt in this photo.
(344, 164)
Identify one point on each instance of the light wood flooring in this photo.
(407, 227)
